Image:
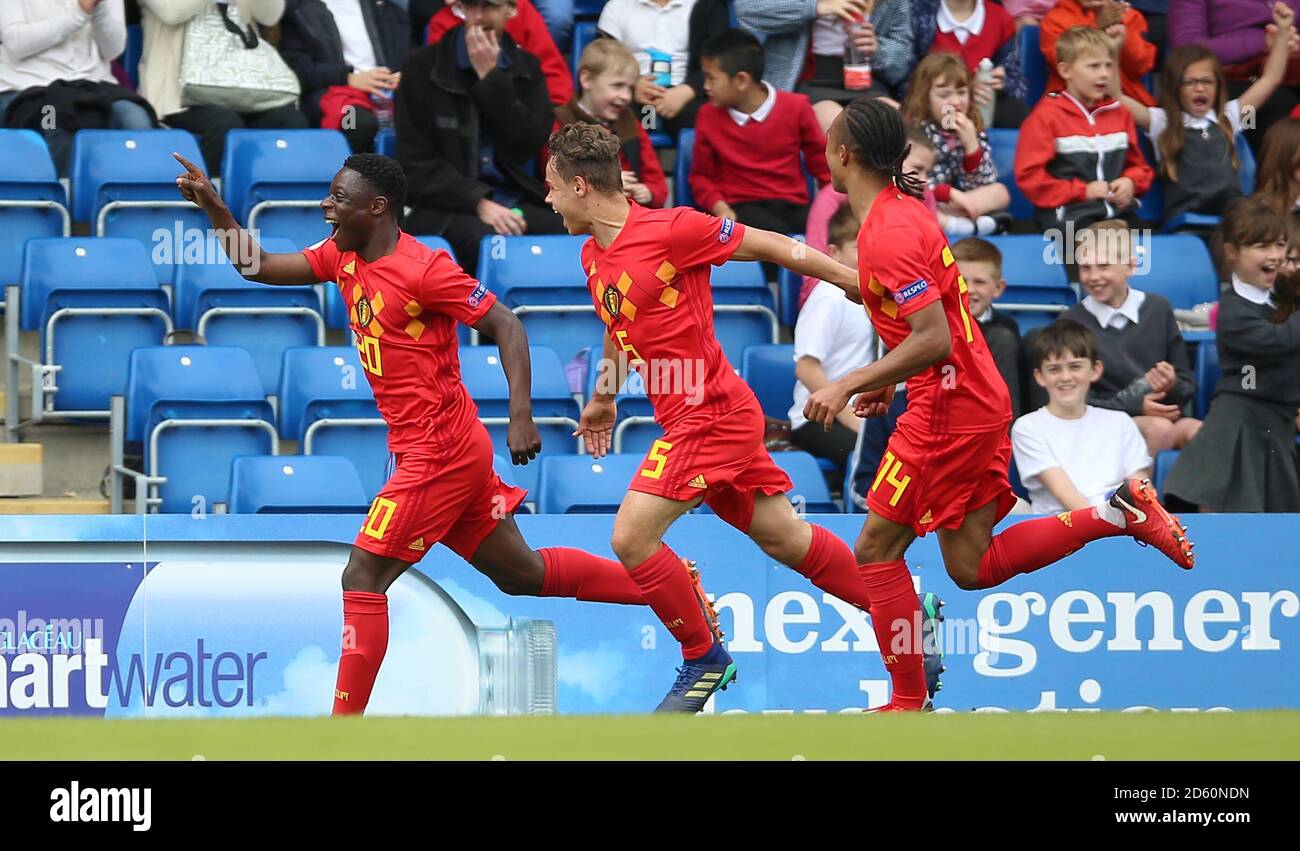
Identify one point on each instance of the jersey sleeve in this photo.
(324, 259)
(905, 266)
(445, 288)
(696, 238)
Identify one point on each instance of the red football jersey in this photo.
(905, 264)
(403, 309)
(651, 289)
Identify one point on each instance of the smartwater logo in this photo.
(91, 804)
(86, 681)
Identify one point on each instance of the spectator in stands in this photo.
(1028, 12)
(1123, 24)
(558, 15)
(348, 56)
(163, 22)
(1196, 156)
(980, 263)
(555, 17)
(607, 73)
(832, 338)
(977, 30)
(472, 113)
(1243, 459)
(58, 55)
(964, 178)
(1277, 181)
(526, 26)
(666, 37)
(798, 34)
(1077, 159)
(1148, 374)
(919, 162)
(1071, 454)
(748, 138)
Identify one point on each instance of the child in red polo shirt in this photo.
(748, 139)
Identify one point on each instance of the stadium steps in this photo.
(52, 505)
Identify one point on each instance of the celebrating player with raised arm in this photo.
(648, 273)
(404, 301)
(945, 468)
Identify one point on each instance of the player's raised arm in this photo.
(799, 257)
(929, 342)
(239, 244)
(501, 324)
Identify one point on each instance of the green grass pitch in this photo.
(1110, 736)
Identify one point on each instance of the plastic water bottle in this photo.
(984, 76)
(857, 66)
(661, 66)
(382, 101)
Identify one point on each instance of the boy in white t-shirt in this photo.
(1071, 455)
(832, 337)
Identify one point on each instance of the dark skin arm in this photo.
(240, 246)
(502, 325)
(929, 342)
(758, 244)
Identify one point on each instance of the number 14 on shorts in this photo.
(890, 467)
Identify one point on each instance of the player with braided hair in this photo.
(945, 468)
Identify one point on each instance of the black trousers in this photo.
(779, 216)
(465, 231)
(836, 444)
(211, 123)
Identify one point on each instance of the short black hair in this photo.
(384, 176)
(1064, 337)
(736, 51)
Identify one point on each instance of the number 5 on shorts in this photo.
(889, 469)
(658, 457)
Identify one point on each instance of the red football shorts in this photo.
(455, 501)
(721, 458)
(932, 481)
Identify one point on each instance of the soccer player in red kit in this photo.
(648, 273)
(945, 468)
(404, 301)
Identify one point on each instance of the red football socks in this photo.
(896, 619)
(666, 587)
(830, 566)
(1031, 544)
(365, 641)
(583, 576)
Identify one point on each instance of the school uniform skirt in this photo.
(1242, 459)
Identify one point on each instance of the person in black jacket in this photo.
(472, 114)
(348, 55)
(980, 263)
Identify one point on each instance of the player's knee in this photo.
(516, 584)
(871, 548)
(631, 549)
(965, 576)
(365, 572)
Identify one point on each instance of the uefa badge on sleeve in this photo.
(724, 234)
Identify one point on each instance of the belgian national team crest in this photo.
(364, 312)
(613, 300)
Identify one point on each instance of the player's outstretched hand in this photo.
(874, 403)
(823, 405)
(195, 186)
(524, 440)
(597, 427)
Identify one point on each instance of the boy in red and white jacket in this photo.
(1078, 158)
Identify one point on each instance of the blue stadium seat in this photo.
(1179, 267)
(788, 285)
(744, 311)
(584, 33)
(386, 142)
(1164, 463)
(554, 409)
(587, 8)
(295, 484)
(274, 180)
(542, 280)
(131, 56)
(1207, 376)
(124, 184)
(1017, 486)
(1003, 143)
(1203, 222)
(326, 403)
(681, 171)
(769, 371)
(1038, 289)
(635, 429)
(33, 203)
(92, 300)
(1032, 63)
(188, 411)
(213, 299)
(580, 484)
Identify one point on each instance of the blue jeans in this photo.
(123, 115)
(558, 15)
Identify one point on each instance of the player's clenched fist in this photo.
(597, 426)
(823, 405)
(523, 439)
(874, 403)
